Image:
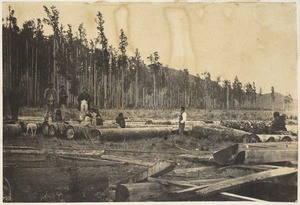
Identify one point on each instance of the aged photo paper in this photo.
(149, 101)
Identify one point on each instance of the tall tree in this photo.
(123, 63)
(104, 55)
(53, 21)
(273, 97)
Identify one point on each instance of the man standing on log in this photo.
(182, 120)
(50, 97)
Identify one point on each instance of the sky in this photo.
(255, 41)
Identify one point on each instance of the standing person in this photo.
(50, 99)
(62, 100)
(84, 96)
(182, 120)
(120, 120)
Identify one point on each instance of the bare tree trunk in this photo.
(136, 88)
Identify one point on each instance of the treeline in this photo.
(114, 79)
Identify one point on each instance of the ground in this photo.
(148, 150)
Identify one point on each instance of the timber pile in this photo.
(257, 127)
(220, 133)
(158, 189)
(258, 153)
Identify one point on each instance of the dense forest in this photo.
(114, 80)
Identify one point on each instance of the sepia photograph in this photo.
(149, 101)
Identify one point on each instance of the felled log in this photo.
(257, 127)
(78, 131)
(78, 152)
(155, 170)
(57, 129)
(275, 138)
(129, 133)
(134, 192)
(219, 133)
(257, 153)
(245, 180)
(73, 183)
(11, 130)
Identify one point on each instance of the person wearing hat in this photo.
(50, 99)
(62, 102)
(182, 120)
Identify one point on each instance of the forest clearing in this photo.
(84, 169)
(91, 102)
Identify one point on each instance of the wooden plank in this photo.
(156, 170)
(245, 180)
(194, 169)
(247, 167)
(169, 182)
(190, 190)
(126, 160)
(195, 158)
(236, 197)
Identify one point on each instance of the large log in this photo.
(11, 130)
(79, 131)
(44, 184)
(276, 138)
(134, 192)
(78, 152)
(219, 133)
(129, 133)
(245, 180)
(257, 153)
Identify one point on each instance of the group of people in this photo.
(88, 114)
(51, 97)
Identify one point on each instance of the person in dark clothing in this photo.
(58, 116)
(15, 98)
(62, 102)
(62, 96)
(278, 123)
(120, 120)
(50, 99)
(84, 96)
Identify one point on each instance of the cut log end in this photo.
(95, 135)
(70, 132)
(122, 193)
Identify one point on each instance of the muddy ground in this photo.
(94, 181)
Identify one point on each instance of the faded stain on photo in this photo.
(150, 101)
